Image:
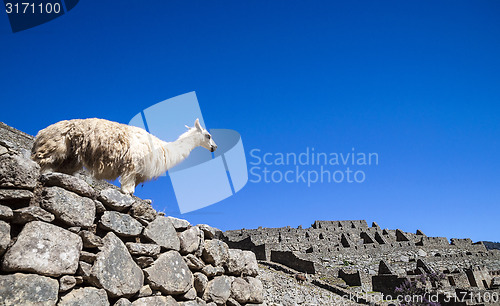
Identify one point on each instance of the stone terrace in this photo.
(369, 258)
(71, 240)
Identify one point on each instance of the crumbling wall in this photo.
(352, 251)
(72, 240)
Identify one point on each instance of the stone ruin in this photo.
(368, 260)
(70, 240)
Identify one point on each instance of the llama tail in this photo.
(52, 149)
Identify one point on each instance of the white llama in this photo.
(110, 150)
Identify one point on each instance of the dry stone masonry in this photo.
(70, 240)
(350, 257)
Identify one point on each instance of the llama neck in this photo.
(178, 150)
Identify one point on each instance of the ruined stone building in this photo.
(67, 234)
(365, 258)
(73, 240)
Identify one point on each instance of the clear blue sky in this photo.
(417, 82)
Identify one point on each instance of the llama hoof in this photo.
(127, 191)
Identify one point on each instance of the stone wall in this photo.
(71, 240)
(351, 253)
(335, 243)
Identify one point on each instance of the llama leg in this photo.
(128, 189)
(127, 184)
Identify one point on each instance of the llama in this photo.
(109, 150)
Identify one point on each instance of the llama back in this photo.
(99, 145)
(103, 147)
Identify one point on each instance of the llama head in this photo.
(202, 136)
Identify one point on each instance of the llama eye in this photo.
(208, 136)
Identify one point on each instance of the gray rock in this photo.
(79, 279)
(28, 289)
(210, 232)
(45, 249)
(5, 143)
(190, 240)
(212, 271)
(240, 290)
(6, 212)
(114, 269)
(162, 232)
(155, 301)
(99, 208)
(193, 262)
(200, 283)
(121, 224)
(247, 290)
(69, 207)
(88, 257)
(116, 200)
(87, 296)
(68, 182)
(199, 251)
(145, 291)
(4, 236)
(143, 211)
(424, 266)
(215, 252)
(197, 302)
(25, 153)
(74, 229)
(169, 274)
(218, 290)
(3, 150)
(232, 302)
(421, 253)
(66, 282)
(146, 249)
(14, 144)
(242, 263)
(179, 224)
(18, 172)
(123, 302)
(84, 270)
(31, 213)
(190, 295)
(90, 240)
(15, 194)
(201, 247)
(144, 261)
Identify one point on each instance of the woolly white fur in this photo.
(110, 150)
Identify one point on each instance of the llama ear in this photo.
(197, 125)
